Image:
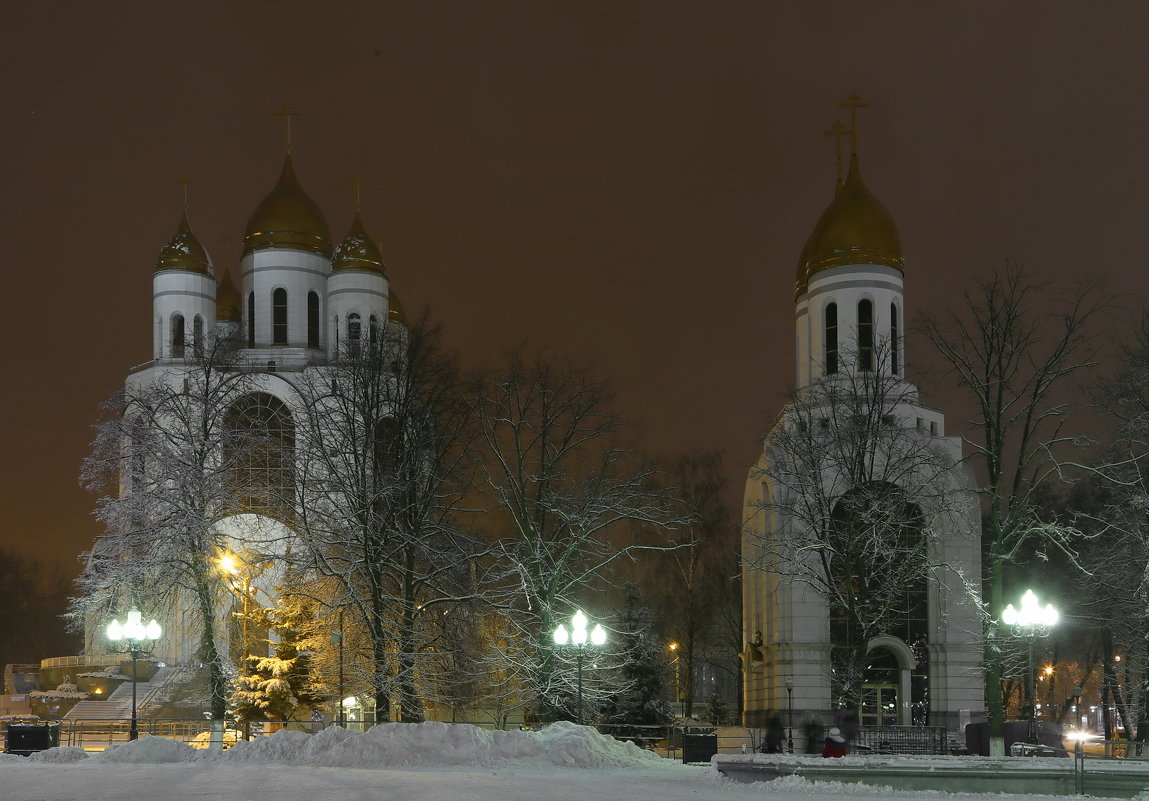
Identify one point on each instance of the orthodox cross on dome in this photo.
(838, 130)
(853, 103)
(185, 182)
(288, 111)
(357, 182)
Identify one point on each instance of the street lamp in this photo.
(133, 637)
(578, 638)
(790, 715)
(1031, 621)
(337, 639)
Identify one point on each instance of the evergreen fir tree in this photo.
(274, 687)
(716, 710)
(642, 671)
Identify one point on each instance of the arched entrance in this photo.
(886, 691)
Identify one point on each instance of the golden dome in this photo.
(395, 309)
(184, 252)
(227, 300)
(854, 229)
(357, 251)
(287, 218)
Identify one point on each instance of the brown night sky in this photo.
(628, 182)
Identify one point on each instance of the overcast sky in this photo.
(629, 183)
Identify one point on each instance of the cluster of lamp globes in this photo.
(578, 633)
(1031, 615)
(134, 630)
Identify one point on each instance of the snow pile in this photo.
(148, 750)
(68, 754)
(443, 744)
(397, 745)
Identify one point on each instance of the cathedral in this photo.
(300, 303)
(861, 530)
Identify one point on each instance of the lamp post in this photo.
(134, 638)
(337, 639)
(578, 638)
(1031, 621)
(790, 715)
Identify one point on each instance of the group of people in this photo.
(837, 742)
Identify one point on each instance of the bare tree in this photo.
(168, 466)
(689, 584)
(1012, 349)
(1118, 514)
(564, 490)
(384, 469)
(859, 502)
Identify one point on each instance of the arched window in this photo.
(354, 334)
(197, 335)
(259, 453)
(336, 334)
(895, 367)
(372, 332)
(312, 320)
(279, 317)
(177, 336)
(831, 338)
(251, 319)
(865, 334)
(880, 566)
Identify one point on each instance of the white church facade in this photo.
(922, 647)
(300, 302)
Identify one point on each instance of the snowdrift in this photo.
(392, 745)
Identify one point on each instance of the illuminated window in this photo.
(259, 452)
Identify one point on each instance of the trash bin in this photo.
(26, 738)
(699, 747)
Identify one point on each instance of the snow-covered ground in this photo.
(405, 762)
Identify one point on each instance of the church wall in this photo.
(298, 272)
(180, 292)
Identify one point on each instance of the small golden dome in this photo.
(184, 252)
(395, 309)
(854, 229)
(287, 218)
(357, 251)
(227, 300)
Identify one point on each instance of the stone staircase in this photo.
(118, 705)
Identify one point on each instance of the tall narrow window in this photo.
(865, 335)
(831, 338)
(372, 331)
(279, 317)
(312, 320)
(197, 335)
(251, 319)
(177, 336)
(354, 332)
(895, 367)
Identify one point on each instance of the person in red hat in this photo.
(835, 745)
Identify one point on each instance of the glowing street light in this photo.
(1031, 621)
(578, 638)
(135, 638)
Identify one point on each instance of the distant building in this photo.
(924, 665)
